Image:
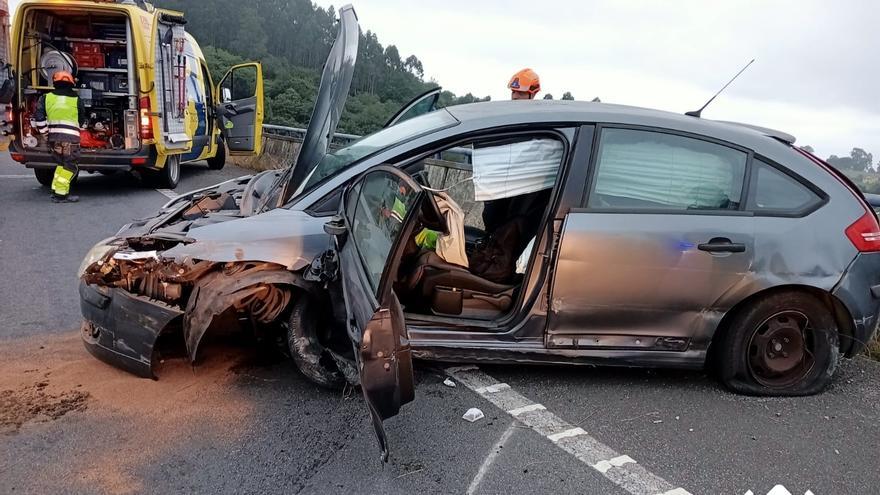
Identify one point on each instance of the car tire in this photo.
(309, 355)
(44, 176)
(169, 176)
(785, 344)
(217, 161)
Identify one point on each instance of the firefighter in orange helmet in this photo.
(524, 85)
(59, 114)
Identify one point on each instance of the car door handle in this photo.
(722, 245)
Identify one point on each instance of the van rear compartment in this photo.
(97, 47)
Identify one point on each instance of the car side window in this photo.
(382, 202)
(640, 169)
(778, 192)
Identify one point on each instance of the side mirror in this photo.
(335, 226)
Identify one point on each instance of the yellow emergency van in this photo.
(149, 98)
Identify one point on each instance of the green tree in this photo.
(548, 96)
(292, 39)
(567, 96)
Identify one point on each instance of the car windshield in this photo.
(339, 160)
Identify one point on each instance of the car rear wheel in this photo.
(310, 356)
(217, 161)
(44, 176)
(783, 344)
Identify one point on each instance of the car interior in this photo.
(496, 195)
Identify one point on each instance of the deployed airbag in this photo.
(515, 168)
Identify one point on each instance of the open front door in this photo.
(377, 216)
(426, 102)
(240, 108)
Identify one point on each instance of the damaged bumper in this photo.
(859, 290)
(121, 329)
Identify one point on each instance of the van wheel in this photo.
(169, 176)
(217, 161)
(309, 354)
(44, 176)
(785, 344)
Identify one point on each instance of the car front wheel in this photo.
(783, 344)
(309, 354)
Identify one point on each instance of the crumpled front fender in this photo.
(220, 290)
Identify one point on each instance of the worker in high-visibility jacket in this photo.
(59, 114)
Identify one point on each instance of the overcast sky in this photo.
(816, 74)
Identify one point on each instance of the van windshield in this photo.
(339, 160)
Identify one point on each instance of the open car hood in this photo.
(332, 93)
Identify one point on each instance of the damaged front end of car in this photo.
(198, 258)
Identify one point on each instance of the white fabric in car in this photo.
(451, 247)
(513, 169)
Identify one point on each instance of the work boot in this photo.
(67, 198)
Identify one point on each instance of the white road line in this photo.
(566, 434)
(492, 389)
(604, 466)
(524, 409)
(620, 469)
(678, 491)
(168, 193)
(490, 459)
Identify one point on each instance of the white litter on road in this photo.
(449, 383)
(473, 414)
(620, 469)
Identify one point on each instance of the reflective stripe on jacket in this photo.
(66, 122)
(62, 114)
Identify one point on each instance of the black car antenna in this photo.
(696, 113)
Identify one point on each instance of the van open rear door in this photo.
(170, 82)
(240, 94)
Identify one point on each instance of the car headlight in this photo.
(97, 252)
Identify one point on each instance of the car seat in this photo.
(447, 289)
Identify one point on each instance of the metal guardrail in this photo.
(299, 134)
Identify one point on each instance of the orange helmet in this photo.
(525, 81)
(63, 76)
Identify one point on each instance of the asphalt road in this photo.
(243, 422)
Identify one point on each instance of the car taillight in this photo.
(17, 157)
(10, 115)
(865, 233)
(146, 123)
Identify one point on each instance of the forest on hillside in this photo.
(292, 38)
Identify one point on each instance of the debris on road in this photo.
(473, 414)
(449, 383)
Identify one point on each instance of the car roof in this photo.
(485, 114)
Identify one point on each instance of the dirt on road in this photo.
(131, 422)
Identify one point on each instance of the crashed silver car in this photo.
(519, 232)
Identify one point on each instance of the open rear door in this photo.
(377, 216)
(426, 102)
(240, 109)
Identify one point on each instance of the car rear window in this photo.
(654, 170)
(775, 191)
